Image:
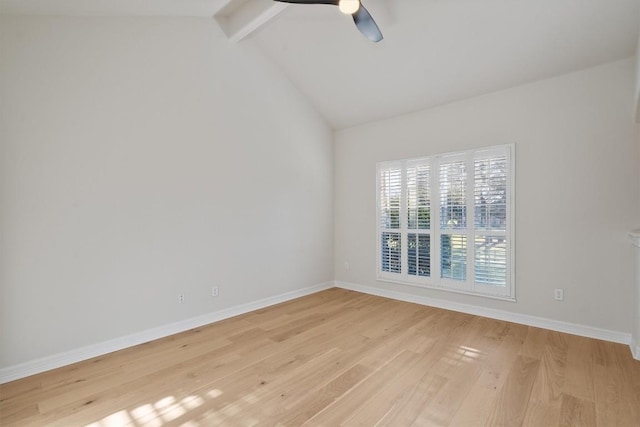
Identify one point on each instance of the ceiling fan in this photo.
(361, 16)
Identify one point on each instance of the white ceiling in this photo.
(439, 51)
(434, 51)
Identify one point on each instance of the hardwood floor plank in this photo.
(580, 372)
(339, 411)
(397, 392)
(476, 408)
(546, 396)
(511, 406)
(611, 390)
(576, 412)
(318, 400)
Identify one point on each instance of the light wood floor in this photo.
(342, 358)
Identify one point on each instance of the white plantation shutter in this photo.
(390, 193)
(453, 217)
(446, 222)
(418, 196)
(391, 249)
(389, 209)
(419, 254)
(490, 211)
(453, 197)
(453, 256)
(418, 203)
(491, 260)
(490, 188)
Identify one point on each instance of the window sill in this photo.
(446, 289)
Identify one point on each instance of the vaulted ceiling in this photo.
(434, 51)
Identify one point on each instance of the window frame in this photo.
(435, 281)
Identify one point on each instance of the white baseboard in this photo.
(524, 319)
(33, 367)
(635, 349)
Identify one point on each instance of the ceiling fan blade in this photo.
(333, 2)
(366, 24)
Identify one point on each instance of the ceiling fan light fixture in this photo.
(361, 16)
(349, 7)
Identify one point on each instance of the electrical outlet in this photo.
(181, 298)
(558, 294)
(346, 265)
(215, 291)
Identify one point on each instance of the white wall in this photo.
(576, 190)
(637, 83)
(141, 158)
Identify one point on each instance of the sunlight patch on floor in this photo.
(165, 410)
(173, 412)
(145, 414)
(192, 402)
(469, 354)
(118, 419)
(214, 393)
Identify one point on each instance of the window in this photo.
(446, 221)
